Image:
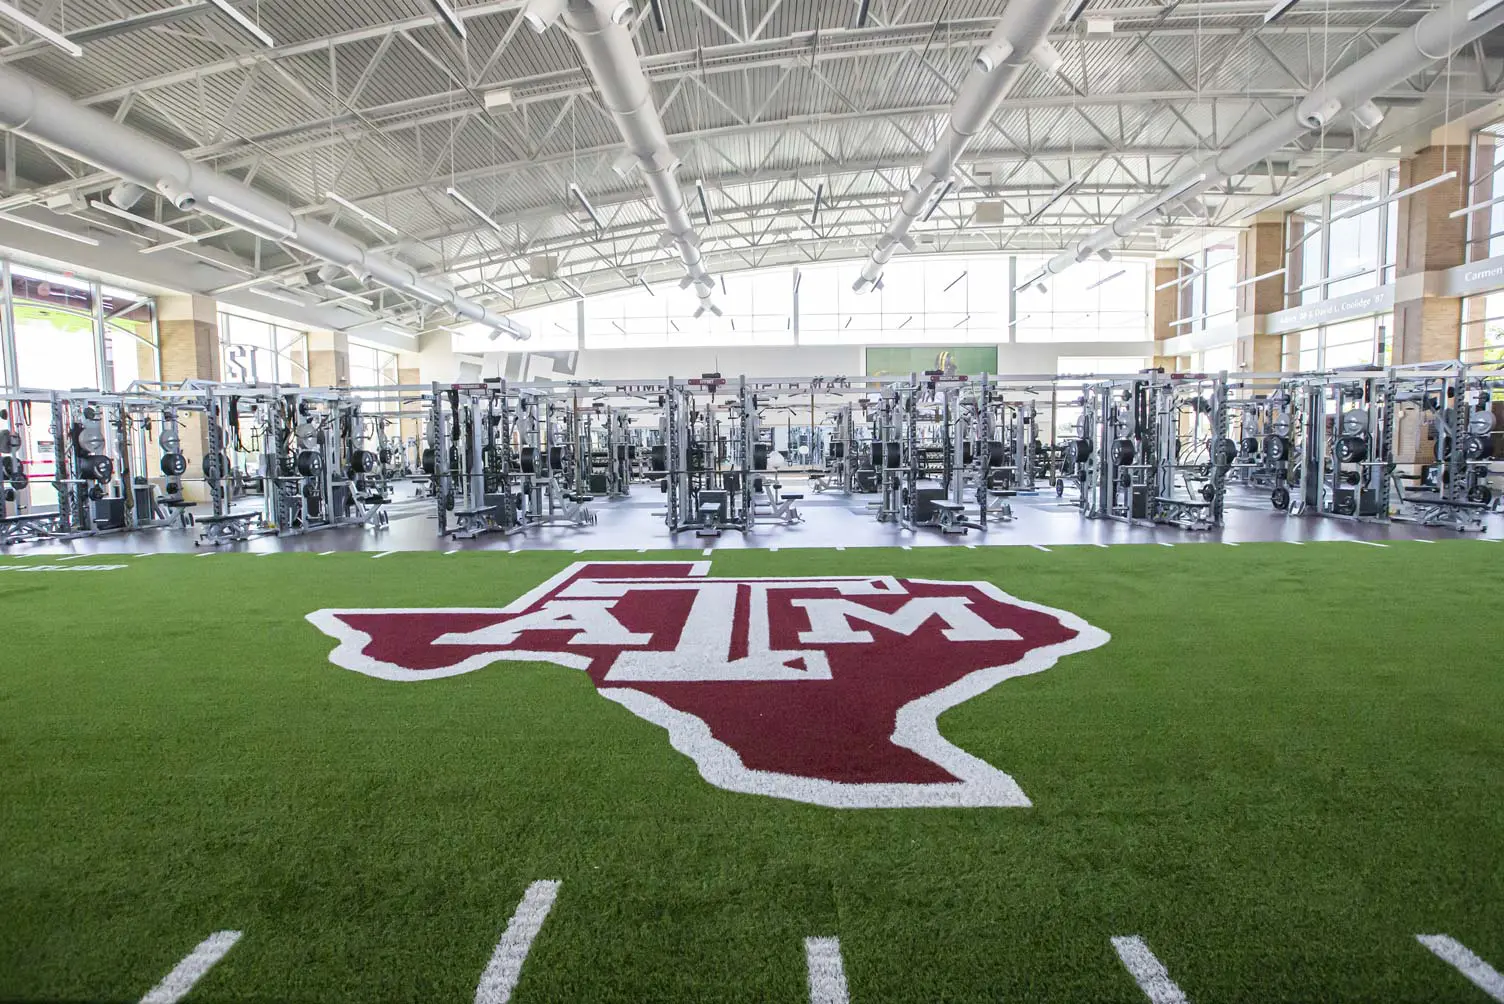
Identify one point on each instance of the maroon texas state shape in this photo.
(823, 690)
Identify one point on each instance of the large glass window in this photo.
(1207, 288)
(1485, 226)
(1344, 243)
(1483, 328)
(258, 350)
(1094, 301)
(55, 343)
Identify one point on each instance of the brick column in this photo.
(1261, 250)
(1428, 328)
(328, 359)
(188, 327)
(1165, 306)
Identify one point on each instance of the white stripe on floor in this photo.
(455, 551)
(579, 550)
(70, 557)
(1148, 972)
(1297, 543)
(827, 976)
(1370, 543)
(1457, 955)
(383, 554)
(707, 551)
(501, 974)
(642, 550)
(971, 547)
(906, 547)
(841, 547)
(1040, 547)
(1101, 545)
(206, 554)
(1229, 543)
(772, 550)
(176, 984)
(1163, 544)
(1423, 540)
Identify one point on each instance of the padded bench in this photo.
(948, 516)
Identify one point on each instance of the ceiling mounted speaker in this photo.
(989, 214)
(543, 266)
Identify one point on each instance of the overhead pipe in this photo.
(1020, 37)
(1440, 33)
(599, 29)
(47, 116)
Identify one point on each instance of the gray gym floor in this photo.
(830, 520)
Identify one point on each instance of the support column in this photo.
(1261, 250)
(409, 375)
(1165, 304)
(188, 327)
(1428, 328)
(328, 359)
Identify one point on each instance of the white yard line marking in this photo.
(642, 550)
(206, 554)
(1370, 543)
(70, 557)
(840, 547)
(827, 976)
(1424, 540)
(772, 550)
(383, 554)
(706, 552)
(1100, 545)
(1147, 971)
(1297, 543)
(579, 550)
(323, 554)
(971, 547)
(906, 547)
(144, 554)
(1229, 543)
(176, 984)
(501, 974)
(455, 551)
(1457, 955)
(1040, 547)
(1163, 544)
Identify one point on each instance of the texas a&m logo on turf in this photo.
(822, 690)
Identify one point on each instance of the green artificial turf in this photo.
(1286, 763)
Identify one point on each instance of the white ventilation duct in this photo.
(599, 29)
(1435, 36)
(38, 112)
(1018, 38)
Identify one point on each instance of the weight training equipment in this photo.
(1280, 498)
(386, 456)
(1480, 493)
(1352, 449)
(1281, 426)
(1477, 447)
(426, 461)
(19, 480)
(215, 466)
(1123, 451)
(96, 493)
(88, 437)
(310, 463)
(1208, 492)
(8, 466)
(173, 464)
(1225, 452)
(1480, 423)
(9, 441)
(96, 467)
(168, 440)
(363, 462)
(10, 494)
(1277, 448)
(1250, 446)
(1354, 422)
(760, 456)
